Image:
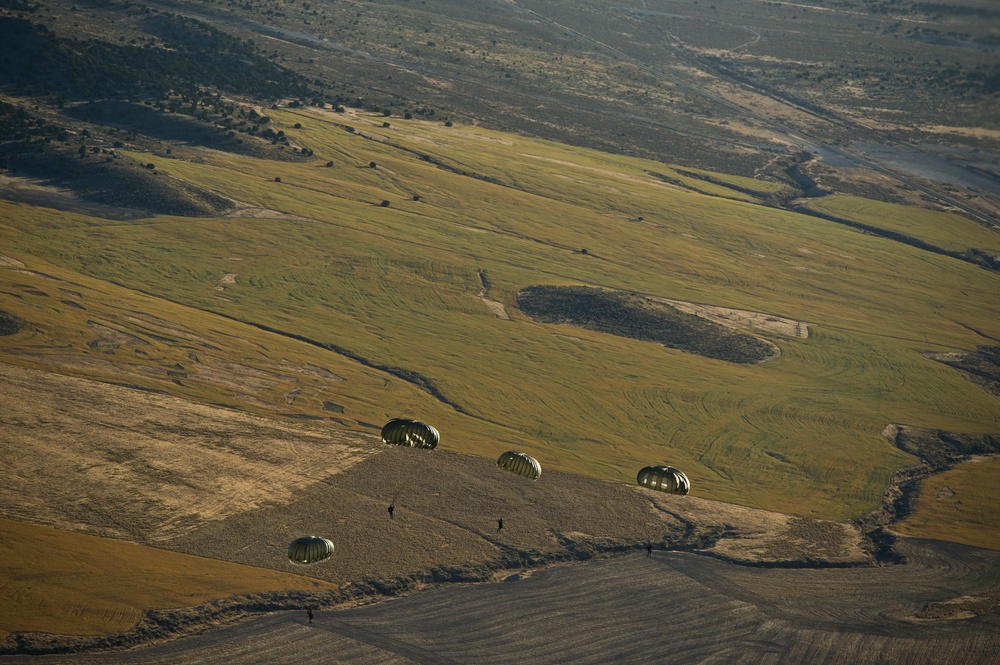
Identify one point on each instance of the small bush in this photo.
(384, 204)
(9, 324)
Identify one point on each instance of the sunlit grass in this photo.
(398, 285)
(958, 505)
(941, 229)
(73, 584)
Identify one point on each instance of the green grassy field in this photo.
(937, 228)
(397, 286)
(958, 505)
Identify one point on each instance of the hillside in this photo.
(237, 238)
(378, 297)
(887, 100)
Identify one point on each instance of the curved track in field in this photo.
(673, 608)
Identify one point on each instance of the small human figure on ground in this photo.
(649, 550)
(500, 524)
(392, 510)
(309, 613)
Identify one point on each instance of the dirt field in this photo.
(146, 467)
(217, 483)
(672, 608)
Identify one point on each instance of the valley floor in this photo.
(672, 608)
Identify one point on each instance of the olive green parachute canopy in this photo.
(664, 479)
(521, 464)
(411, 433)
(309, 549)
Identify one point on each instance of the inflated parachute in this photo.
(411, 433)
(521, 464)
(309, 549)
(664, 479)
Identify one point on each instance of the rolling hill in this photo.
(222, 270)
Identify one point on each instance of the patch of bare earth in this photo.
(741, 318)
(108, 337)
(8, 262)
(982, 366)
(963, 607)
(245, 210)
(216, 482)
(222, 484)
(147, 467)
(498, 308)
(228, 279)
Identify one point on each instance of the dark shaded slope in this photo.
(195, 55)
(629, 315)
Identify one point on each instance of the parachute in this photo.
(410, 433)
(309, 549)
(664, 479)
(521, 464)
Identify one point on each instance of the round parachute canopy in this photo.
(411, 433)
(521, 464)
(664, 479)
(309, 549)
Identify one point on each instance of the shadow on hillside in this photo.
(636, 317)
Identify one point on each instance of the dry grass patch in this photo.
(73, 584)
(148, 467)
(958, 505)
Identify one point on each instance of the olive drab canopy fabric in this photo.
(664, 479)
(411, 433)
(309, 549)
(521, 464)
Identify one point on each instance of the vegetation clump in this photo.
(981, 366)
(9, 324)
(637, 317)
